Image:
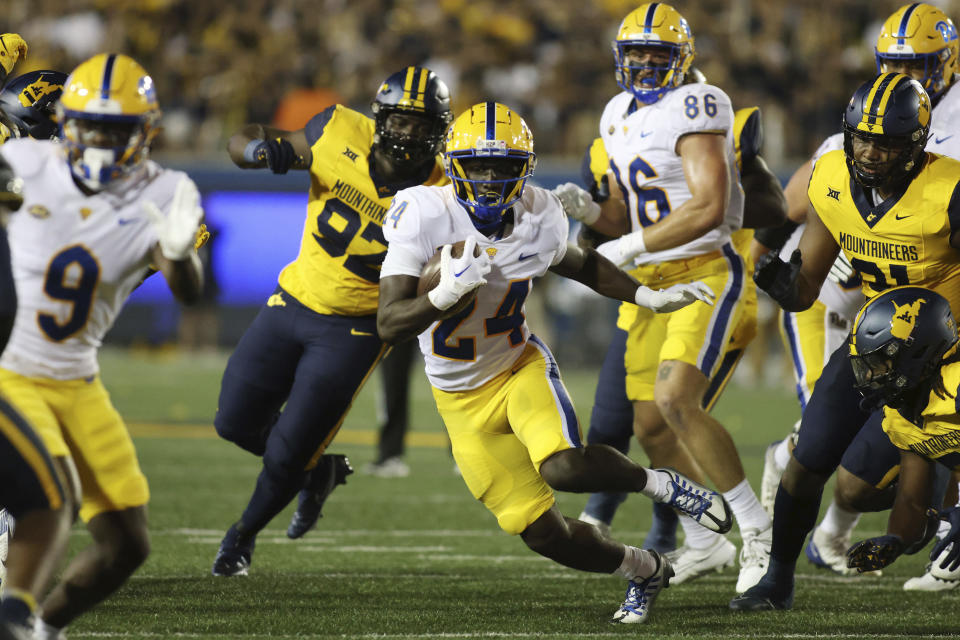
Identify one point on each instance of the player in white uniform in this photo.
(671, 150)
(919, 40)
(96, 215)
(512, 426)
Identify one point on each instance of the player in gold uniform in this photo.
(897, 353)
(893, 209)
(315, 342)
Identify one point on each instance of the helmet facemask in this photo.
(903, 158)
(929, 66)
(488, 184)
(103, 149)
(406, 142)
(878, 379)
(663, 70)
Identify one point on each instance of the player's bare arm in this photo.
(818, 250)
(764, 204)
(796, 203)
(589, 267)
(401, 313)
(250, 148)
(908, 518)
(708, 178)
(184, 277)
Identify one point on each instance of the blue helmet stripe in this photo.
(648, 20)
(491, 116)
(107, 73)
(902, 31)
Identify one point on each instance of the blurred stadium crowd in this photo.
(220, 64)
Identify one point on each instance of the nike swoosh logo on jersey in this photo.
(354, 332)
(943, 139)
(644, 134)
(125, 220)
(899, 217)
(523, 257)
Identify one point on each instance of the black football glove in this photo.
(874, 553)
(278, 154)
(778, 278)
(952, 560)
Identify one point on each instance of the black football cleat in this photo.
(234, 555)
(764, 596)
(330, 471)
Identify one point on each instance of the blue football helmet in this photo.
(30, 103)
(897, 343)
(415, 91)
(892, 110)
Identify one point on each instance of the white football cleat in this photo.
(770, 480)
(935, 578)
(689, 564)
(829, 551)
(640, 595)
(754, 557)
(707, 507)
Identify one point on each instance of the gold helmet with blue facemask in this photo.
(108, 115)
(493, 140)
(920, 34)
(659, 26)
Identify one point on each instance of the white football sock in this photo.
(781, 455)
(637, 564)
(658, 485)
(746, 508)
(838, 521)
(697, 536)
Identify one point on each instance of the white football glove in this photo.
(177, 231)
(673, 298)
(577, 203)
(624, 249)
(841, 270)
(459, 276)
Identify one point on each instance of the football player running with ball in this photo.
(671, 149)
(97, 214)
(314, 343)
(514, 433)
(892, 208)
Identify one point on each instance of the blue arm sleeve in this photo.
(317, 124)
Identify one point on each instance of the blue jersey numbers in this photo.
(335, 236)
(72, 277)
(645, 205)
(507, 321)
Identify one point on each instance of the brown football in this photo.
(430, 278)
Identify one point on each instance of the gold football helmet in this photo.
(489, 156)
(921, 34)
(109, 114)
(654, 25)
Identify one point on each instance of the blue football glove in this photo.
(874, 553)
(277, 153)
(778, 278)
(952, 560)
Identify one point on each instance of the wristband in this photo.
(250, 151)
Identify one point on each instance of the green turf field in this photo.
(418, 557)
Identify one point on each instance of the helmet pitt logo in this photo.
(904, 319)
(947, 30)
